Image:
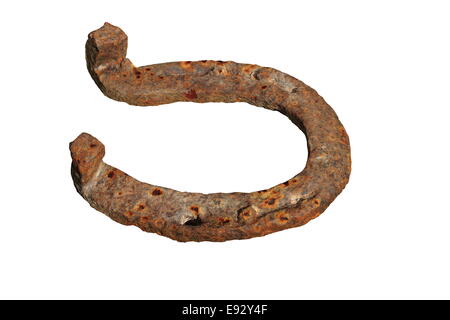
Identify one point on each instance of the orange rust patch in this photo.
(257, 229)
(345, 141)
(316, 202)
(272, 201)
(247, 215)
(282, 217)
(224, 220)
(137, 73)
(128, 214)
(157, 192)
(158, 223)
(191, 94)
(186, 65)
(339, 138)
(249, 68)
(271, 193)
(223, 71)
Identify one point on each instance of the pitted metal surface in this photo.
(185, 216)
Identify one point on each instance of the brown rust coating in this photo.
(187, 216)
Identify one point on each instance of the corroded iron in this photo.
(185, 216)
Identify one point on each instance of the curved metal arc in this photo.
(187, 216)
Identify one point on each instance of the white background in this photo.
(382, 65)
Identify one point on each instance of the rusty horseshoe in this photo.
(185, 216)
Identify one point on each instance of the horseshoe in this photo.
(185, 216)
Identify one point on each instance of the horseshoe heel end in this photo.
(106, 46)
(106, 49)
(87, 153)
